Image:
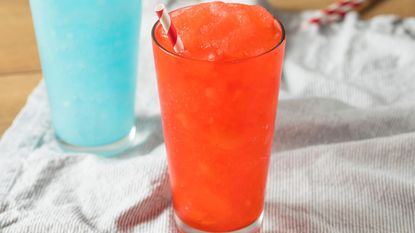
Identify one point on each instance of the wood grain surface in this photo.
(18, 52)
(19, 63)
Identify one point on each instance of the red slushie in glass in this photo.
(218, 101)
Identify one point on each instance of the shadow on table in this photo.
(280, 217)
(148, 137)
(149, 208)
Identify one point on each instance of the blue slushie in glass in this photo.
(89, 52)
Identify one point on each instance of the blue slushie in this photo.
(89, 52)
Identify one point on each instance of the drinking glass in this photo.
(89, 51)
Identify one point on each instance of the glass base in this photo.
(108, 150)
(252, 228)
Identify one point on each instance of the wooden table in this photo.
(19, 63)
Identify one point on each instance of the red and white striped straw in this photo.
(169, 28)
(335, 12)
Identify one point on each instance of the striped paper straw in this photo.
(169, 28)
(335, 12)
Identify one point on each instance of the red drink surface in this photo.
(218, 112)
(220, 31)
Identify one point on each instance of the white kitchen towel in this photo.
(343, 158)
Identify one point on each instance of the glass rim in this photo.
(153, 35)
